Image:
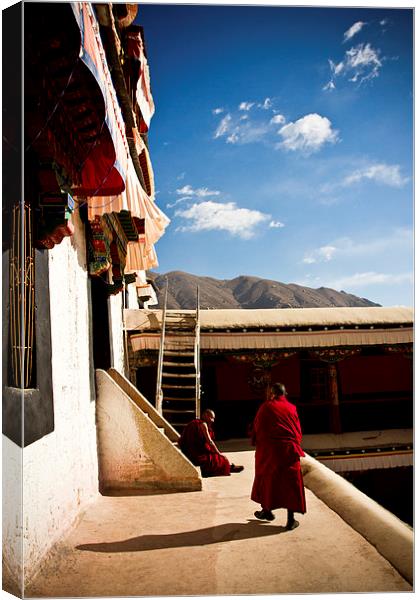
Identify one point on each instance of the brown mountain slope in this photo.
(247, 292)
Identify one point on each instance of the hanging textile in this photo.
(150, 219)
(105, 167)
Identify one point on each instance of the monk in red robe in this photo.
(197, 443)
(278, 481)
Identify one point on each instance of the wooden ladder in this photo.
(178, 381)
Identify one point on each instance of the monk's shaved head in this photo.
(208, 413)
(278, 389)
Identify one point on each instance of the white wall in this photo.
(132, 296)
(12, 516)
(60, 471)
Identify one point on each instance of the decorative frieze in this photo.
(264, 360)
(332, 355)
(405, 349)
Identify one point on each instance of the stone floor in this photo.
(209, 543)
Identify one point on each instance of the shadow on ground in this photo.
(200, 537)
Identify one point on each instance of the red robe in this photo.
(278, 481)
(194, 444)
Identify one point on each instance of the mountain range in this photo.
(246, 292)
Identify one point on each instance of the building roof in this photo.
(247, 329)
(273, 318)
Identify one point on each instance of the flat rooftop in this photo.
(209, 543)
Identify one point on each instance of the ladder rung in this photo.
(181, 319)
(184, 333)
(180, 347)
(172, 399)
(178, 387)
(182, 375)
(177, 353)
(167, 363)
(179, 411)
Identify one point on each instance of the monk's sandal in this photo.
(236, 468)
(264, 515)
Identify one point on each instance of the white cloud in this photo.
(323, 254)
(329, 86)
(266, 104)
(335, 68)
(362, 56)
(223, 126)
(217, 111)
(247, 132)
(381, 173)
(398, 239)
(181, 176)
(178, 201)
(363, 279)
(188, 191)
(242, 130)
(246, 105)
(308, 134)
(210, 215)
(355, 28)
(361, 63)
(278, 119)
(276, 224)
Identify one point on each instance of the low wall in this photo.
(391, 537)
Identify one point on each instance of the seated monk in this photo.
(197, 443)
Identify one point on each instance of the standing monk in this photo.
(197, 443)
(278, 481)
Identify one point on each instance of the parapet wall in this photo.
(391, 537)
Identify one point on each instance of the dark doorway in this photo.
(100, 324)
(314, 405)
(146, 377)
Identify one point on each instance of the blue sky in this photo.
(282, 144)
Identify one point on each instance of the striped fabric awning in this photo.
(264, 341)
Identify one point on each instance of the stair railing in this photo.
(159, 394)
(197, 357)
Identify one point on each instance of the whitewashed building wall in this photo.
(60, 470)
